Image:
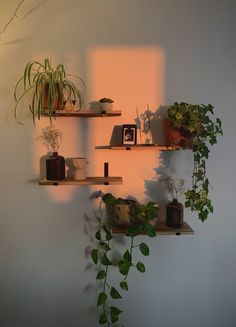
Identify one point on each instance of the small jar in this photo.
(55, 167)
(174, 214)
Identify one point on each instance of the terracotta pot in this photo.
(175, 137)
(58, 103)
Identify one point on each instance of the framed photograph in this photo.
(129, 134)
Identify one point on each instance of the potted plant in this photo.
(174, 209)
(196, 123)
(106, 105)
(51, 137)
(142, 215)
(48, 87)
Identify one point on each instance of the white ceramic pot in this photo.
(79, 165)
(106, 107)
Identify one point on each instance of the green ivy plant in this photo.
(42, 80)
(102, 254)
(197, 122)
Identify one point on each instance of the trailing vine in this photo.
(197, 121)
(102, 257)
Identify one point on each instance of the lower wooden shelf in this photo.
(88, 181)
(161, 229)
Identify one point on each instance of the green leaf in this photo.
(140, 266)
(101, 274)
(115, 313)
(144, 249)
(101, 298)
(109, 236)
(134, 230)
(105, 261)
(105, 246)
(127, 256)
(103, 319)
(124, 267)
(98, 235)
(115, 294)
(124, 285)
(94, 255)
(149, 230)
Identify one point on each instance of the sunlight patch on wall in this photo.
(133, 77)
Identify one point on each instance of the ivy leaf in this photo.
(134, 230)
(103, 319)
(105, 246)
(115, 294)
(124, 267)
(101, 298)
(94, 255)
(115, 313)
(149, 230)
(98, 235)
(127, 256)
(140, 266)
(144, 249)
(105, 261)
(101, 274)
(124, 285)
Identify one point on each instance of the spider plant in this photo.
(49, 88)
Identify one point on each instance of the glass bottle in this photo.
(55, 167)
(174, 214)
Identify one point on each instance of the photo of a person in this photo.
(129, 133)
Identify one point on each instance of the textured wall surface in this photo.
(138, 52)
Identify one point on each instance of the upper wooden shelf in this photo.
(85, 113)
(161, 229)
(88, 181)
(141, 147)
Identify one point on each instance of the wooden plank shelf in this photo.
(84, 113)
(141, 147)
(161, 229)
(87, 181)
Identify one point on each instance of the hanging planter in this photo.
(197, 122)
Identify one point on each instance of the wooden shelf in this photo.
(85, 113)
(161, 229)
(87, 181)
(141, 147)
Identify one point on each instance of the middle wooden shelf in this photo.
(141, 147)
(88, 181)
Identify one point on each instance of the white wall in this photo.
(137, 52)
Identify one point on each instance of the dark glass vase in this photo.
(174, 214)
(55, 167)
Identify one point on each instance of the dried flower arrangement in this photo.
(51, 137)
(175, 187)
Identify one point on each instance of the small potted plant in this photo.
(103, 258)
(51, 137)
(106, 105)
(48, 87)
(197, 127)
(174, 209)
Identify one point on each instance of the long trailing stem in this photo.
(131, 253)
(104, 289)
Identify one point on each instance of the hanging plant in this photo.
(142, 215)
(197, 122)
(49, 88)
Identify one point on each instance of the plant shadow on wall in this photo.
(114, 255)
(194, 127)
